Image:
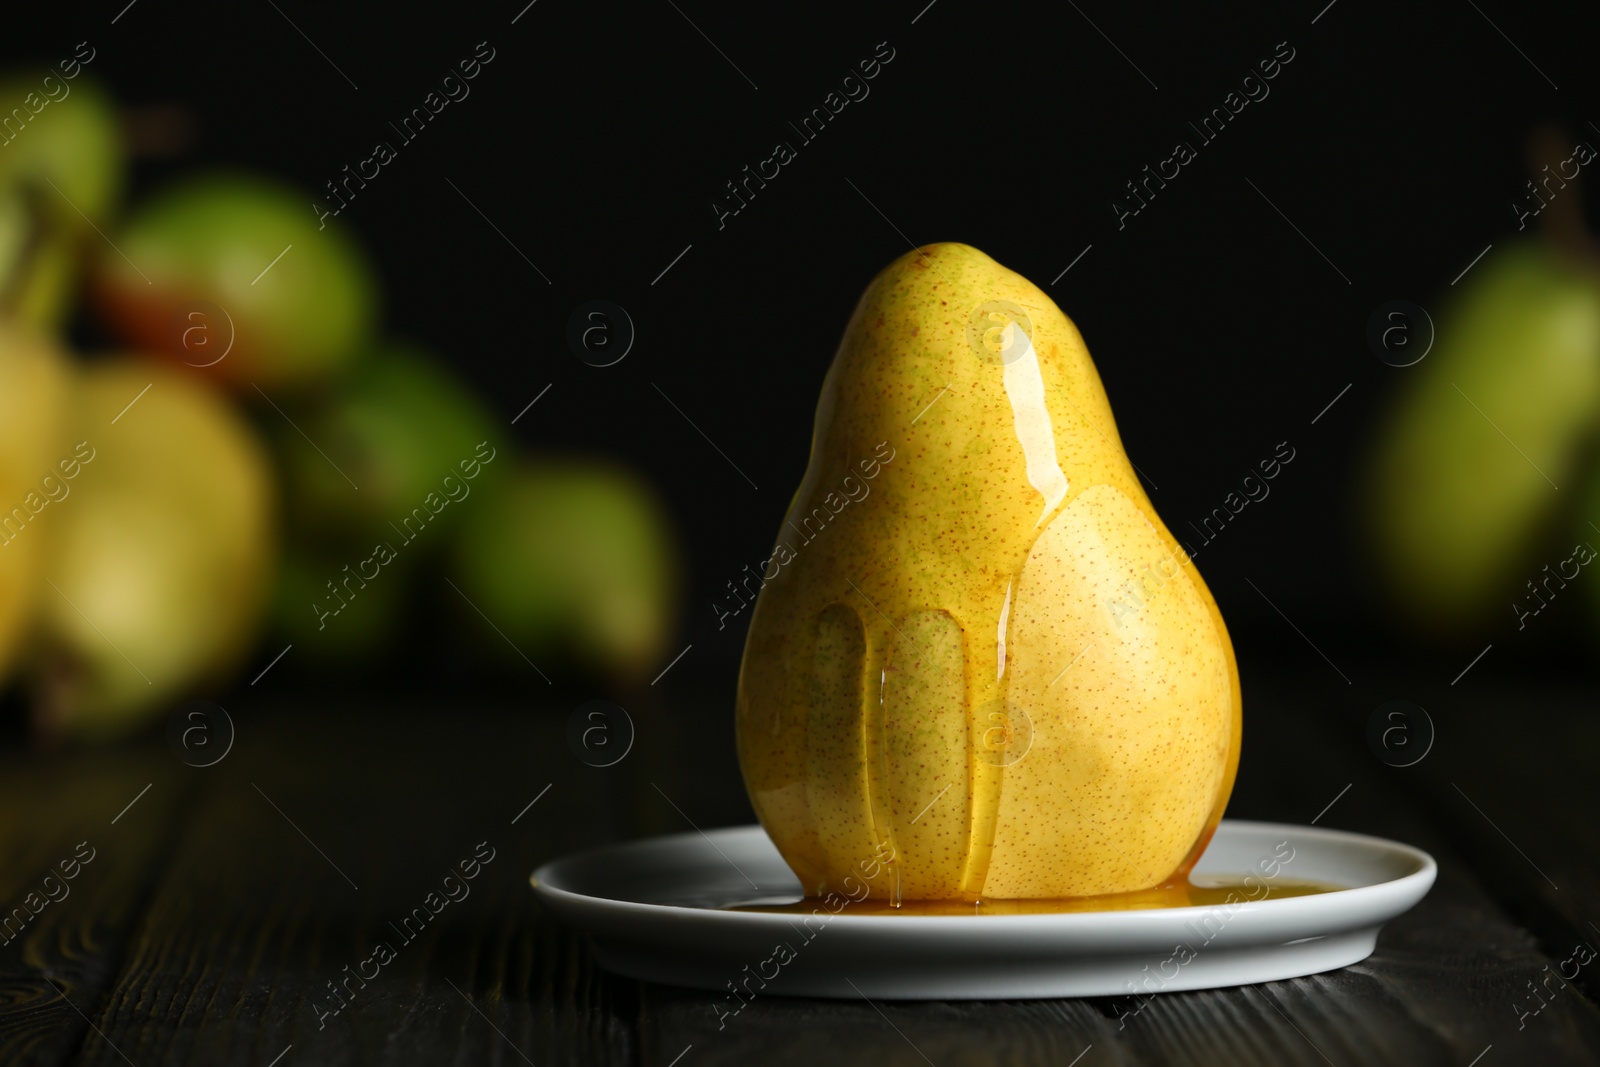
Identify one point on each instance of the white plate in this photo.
(656, 910)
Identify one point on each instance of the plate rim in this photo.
(1422, 875)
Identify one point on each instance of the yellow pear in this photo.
(33, 385)
(161, 556)
(978, 665)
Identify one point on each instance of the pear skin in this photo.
(979, 666)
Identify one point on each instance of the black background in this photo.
(599, 135)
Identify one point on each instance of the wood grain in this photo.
(1440, 989)
(316, 836)
(55, 972)
(220, 908)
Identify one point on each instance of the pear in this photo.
(160, 558)
(1495, 419)
(297, 298)
(979, 666)
(341, 623)
(396, 427)
(572, 557)
(75, 146)
(61, 173)
(406, 430)
(34, 459)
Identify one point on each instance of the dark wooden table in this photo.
(222, 904)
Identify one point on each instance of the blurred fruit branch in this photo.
(253, 457)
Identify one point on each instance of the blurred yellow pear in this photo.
(33, 386)
(161, 556)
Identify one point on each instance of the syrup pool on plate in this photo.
(1200, 891)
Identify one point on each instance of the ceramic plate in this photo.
(659, 910)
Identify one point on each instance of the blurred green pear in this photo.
(315, 610)
(389, 435)
(33, 390)
(61, 175)
(1495, 419)
(398, 459)
(298, 300)
(162, 554)
(572, 557)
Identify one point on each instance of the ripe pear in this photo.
(343, 623)
(160, 558)
(979, 666)
(1495, 418)
(396, 427)
(407, 431)
(33, 389)
(297, 299)
(71, 140)
(569, 556)
(61, 173)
